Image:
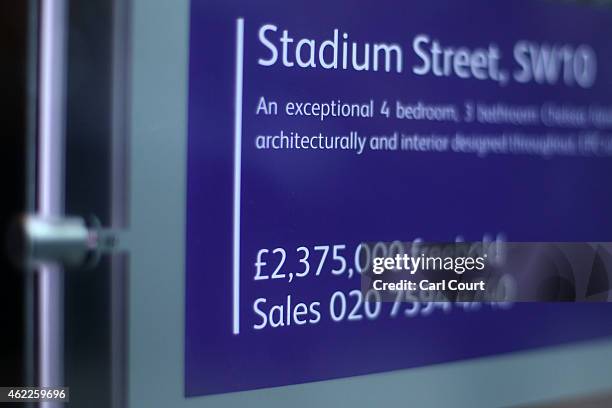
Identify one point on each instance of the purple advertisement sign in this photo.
(315, 126)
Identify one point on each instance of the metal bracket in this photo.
(68, 242)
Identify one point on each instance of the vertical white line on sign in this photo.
(237, 172)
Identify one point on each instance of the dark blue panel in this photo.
(291, 198)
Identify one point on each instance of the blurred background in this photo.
(14, 25)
